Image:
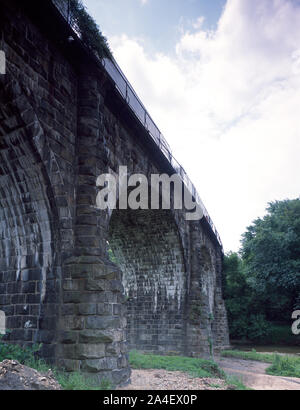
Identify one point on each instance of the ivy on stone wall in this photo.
(89, 30)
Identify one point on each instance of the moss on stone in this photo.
(195, 311)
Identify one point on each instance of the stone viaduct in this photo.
(63, 122)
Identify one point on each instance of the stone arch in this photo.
(147, 247)
(28, 238)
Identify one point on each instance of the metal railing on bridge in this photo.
(127, 92)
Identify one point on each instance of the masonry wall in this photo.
(38, 131)
(207, 329)
(147, 248)
(62, 124)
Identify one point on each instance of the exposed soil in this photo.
(14, 376)
(167, 380)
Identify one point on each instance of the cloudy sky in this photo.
(221, 80)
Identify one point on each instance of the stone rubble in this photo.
(15, 376)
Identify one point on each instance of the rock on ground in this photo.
(15, 376)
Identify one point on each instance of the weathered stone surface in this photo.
(94, 366)
(97, 336)
(90, 351)
(61, 126)
(105, 322)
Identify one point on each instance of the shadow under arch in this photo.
(147, 248)
(28, 234)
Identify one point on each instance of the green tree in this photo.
(245, 308)
(271, 257)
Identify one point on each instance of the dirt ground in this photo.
(167, 380)
(251, 373)
(14, 376)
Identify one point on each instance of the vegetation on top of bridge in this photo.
(89, 30)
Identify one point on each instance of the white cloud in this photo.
(199, 22)
(144, 2)
(228, 104)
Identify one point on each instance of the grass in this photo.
(253, 355)
(236, 382)
(216, 386)
(77, 381)
(287, 366)
(195, 367)
(281, 365)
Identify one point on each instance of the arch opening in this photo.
(27, 245)
(147, 248)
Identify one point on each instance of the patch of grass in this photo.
(38, 364)
(216, 386)
(194, 366)
(287, 366)
(236, 383)
(77, 381)
(253, 355)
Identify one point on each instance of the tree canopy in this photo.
(271, 249)
(262, 282)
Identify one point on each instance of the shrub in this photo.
(23, 355)
(89, 30)
(258, 328)
(285, 366)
